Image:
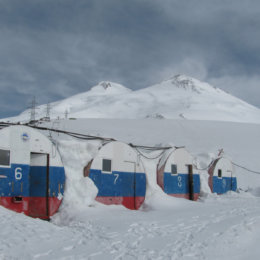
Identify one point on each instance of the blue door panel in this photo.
(38, 181)
(224, 184)
(140, 184)
(179, 183)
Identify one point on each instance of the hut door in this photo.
(229, 182)
(39, 183)
(131, 168)
(190, 182)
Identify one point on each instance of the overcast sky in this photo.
(52, 49)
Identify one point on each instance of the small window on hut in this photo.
(174, 169)
(4, 157)
(219, 173)
(106, 165)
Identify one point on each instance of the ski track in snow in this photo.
(182, 240)
(212, 229)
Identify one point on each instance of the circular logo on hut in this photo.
(25, 137)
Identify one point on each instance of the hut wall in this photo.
(33, 182)
(177, 184)
(125, 183)
(227, 181)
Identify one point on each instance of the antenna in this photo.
(220, 152)
(66, 114)
(48, 111)
(33, 110)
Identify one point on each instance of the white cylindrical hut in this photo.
(175, 174)
(32, 176)
(221, 176)
(119, 175)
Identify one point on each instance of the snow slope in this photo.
(216, 227)
(179, 97)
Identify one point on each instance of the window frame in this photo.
(6, 165)
(107, 172)
(220, 171)
(176, 167)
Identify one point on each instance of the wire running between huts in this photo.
(245, 168)
(137, 147)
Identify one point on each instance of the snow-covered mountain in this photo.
(178, 97)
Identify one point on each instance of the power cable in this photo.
(137, 147)
(149, 158)
(243, 167)
(203, 169)
(206, 168)
(150, 148)
(76, 135)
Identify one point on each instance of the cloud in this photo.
(243, 87)
(53, 49)
(187, 66)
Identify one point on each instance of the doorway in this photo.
(39, 185)
(129, 185)
(190, 182)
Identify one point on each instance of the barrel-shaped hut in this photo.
(175, 174)
(32, 176)
(119, 175)
(221, 176)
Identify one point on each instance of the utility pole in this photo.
(33, 109)
(48, 111)
(66, 114)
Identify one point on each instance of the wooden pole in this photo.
(191, 183)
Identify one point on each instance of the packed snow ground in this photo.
(215, 227)
(225, 227)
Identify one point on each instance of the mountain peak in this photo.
(183, 81)
(108, 87)
(180, 77)
(105, 84)
(188, 83)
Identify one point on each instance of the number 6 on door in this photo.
(18, 173)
